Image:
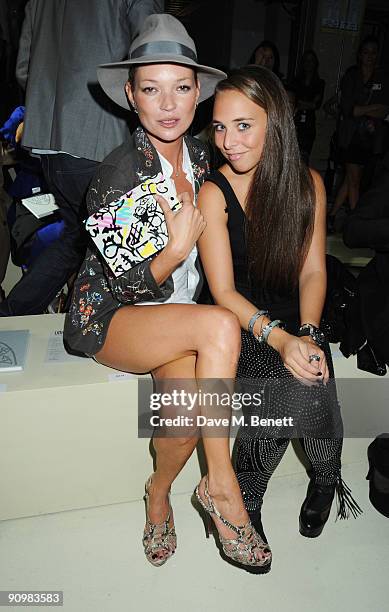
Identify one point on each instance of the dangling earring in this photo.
(134, 109)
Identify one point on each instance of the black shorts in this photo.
(357, 152)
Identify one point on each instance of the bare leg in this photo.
(354, 173)
(179, 341)
(146, 338)
(171, 453)
(143, 338)
(341, 197)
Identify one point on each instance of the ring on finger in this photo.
(313, 357)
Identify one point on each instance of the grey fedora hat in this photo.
(162, 40)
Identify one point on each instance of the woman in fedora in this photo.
(170, 335)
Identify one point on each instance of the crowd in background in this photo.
(256, 220)
(357, 150)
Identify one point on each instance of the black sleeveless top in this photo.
(280, 306)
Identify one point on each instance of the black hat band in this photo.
(163, 47)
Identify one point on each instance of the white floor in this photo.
(95, 556)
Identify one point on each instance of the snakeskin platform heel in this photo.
(241, 551)
(158, 538)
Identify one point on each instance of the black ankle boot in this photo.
(316, 508)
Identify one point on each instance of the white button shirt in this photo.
(186, 277)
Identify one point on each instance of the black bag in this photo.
(340, 319)
(369, 361)
(378, 475)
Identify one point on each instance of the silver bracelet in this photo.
(254, 318)
(267, 329)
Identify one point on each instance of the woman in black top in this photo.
(364, 104)
(265, 213)
(308, 89)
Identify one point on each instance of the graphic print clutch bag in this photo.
(132, 228)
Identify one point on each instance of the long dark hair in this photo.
(280, 203)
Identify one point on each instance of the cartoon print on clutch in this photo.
(132, 228)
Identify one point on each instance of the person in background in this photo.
(364, 105)
(368, 227)
(308, 88)
(10, 134)
(11, 19)
(5, 200)
(68, 121)
(266, 54)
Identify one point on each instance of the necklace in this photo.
(177, 171)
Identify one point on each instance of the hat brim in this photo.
(113, 77)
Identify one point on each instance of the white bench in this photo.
(357, 258)
(68, 432)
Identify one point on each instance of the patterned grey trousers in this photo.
(316, 422)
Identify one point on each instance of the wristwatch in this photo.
(311, 330)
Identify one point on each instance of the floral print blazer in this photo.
(97, 292)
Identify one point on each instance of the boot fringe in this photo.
(346, 505)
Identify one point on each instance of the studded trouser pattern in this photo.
(315, 413)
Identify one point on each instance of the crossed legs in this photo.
(181, 341)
